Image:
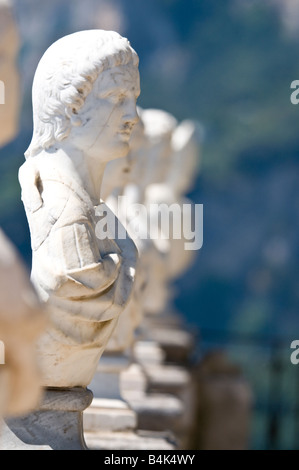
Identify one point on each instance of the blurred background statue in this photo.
(21, 323)
(9, 77)
(124, 188)
(21, 317)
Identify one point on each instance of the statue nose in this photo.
(131, 115)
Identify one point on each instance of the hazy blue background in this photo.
(228, 64)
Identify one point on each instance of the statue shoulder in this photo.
(49, 201)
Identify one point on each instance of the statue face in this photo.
(123, 171)
(109, 114)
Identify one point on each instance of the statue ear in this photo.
(75, 120)
(73, 117)
(30, 182)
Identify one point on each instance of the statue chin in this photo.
(120, 149)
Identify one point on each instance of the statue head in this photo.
(84, 93)
(123, 171)
(185, 141)
(158, 127)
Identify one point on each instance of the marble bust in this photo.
(84, 108)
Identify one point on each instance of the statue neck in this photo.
(92, 179)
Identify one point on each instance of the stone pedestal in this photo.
(165, 378)
(148, 352)
(106, 382)
(155, 411)
(56, 425)
(109, 411)
(169, 332)
(176, 344)
(112, 423)
(133, 380)
(109, 415)
(168, 402)
(177, 382)
(129, 441)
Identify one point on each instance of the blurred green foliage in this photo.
(238, 85)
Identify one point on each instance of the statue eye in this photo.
(106, 96)
(115, 97)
